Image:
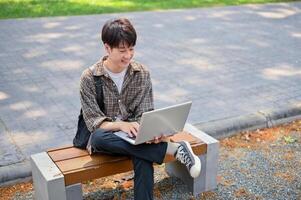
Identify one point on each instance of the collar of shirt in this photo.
(100, 71)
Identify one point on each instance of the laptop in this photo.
(165, 121)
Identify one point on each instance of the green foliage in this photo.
(39, 8)
(289, 139)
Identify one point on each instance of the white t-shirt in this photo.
(117, 78)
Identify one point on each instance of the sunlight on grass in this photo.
(39, 8)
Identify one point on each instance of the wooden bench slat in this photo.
(181, 136)
(87, 162)
(59, 148)
(107, 169)
(67, 153)
(199, 149)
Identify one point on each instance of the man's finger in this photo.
(136, 128)
(130, 133)
(133, 131)
(151, 141)
(157, 141)
(136, 125)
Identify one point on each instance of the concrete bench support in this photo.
(49, 183)
(74, 192)
(207, 179)
(48, 180)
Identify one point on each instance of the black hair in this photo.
(118, 31)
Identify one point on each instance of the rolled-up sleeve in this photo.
(92, 114)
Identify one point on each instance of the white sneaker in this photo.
(186, 156)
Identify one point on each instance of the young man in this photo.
(127, 93)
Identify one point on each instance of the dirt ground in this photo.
(262, 139)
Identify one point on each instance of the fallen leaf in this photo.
(126, 185)
(289, 139)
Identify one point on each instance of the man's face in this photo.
(120, 56)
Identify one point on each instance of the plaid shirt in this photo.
(135, 98)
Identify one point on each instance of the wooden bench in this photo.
(58, 173)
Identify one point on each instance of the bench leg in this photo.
(176, 169)
(74, 192)
(48, 180)
(208, 177)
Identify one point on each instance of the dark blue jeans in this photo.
(143, 156)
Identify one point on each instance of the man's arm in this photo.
(92, 114)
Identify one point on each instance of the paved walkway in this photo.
(229, 61)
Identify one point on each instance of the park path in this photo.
(229, 61)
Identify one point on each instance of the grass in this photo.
(41, 8)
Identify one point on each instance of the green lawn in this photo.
(39, 8)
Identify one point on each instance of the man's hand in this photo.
(131, 128)
(157, 140)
